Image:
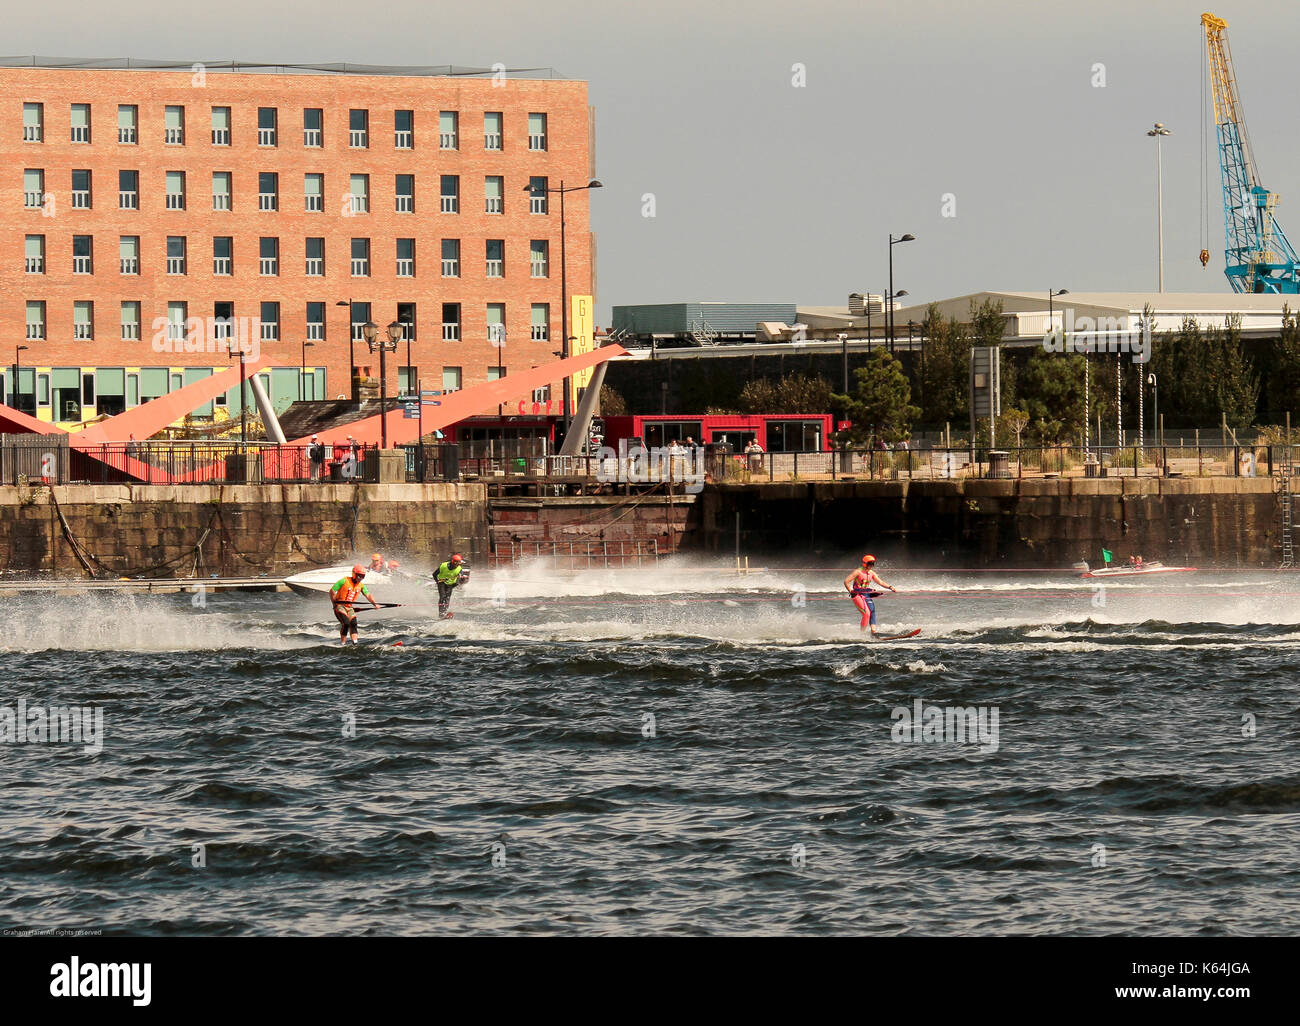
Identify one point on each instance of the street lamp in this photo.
(385, 345)
(889, 314)
(844, 345)
(1158, 133)
(17, 395)
(564, 283)
(243, 398)
(352, 360)
(303, 371)
(892, 243)
(1051, 322)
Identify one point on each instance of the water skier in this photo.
(344, 595)
(861, 585)
(449, 576)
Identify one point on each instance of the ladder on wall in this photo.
(1285, 473)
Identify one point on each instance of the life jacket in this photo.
(349, 590)
(448, 574)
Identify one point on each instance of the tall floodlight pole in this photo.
(1158, 133)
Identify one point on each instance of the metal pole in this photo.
(243, 405)
(1160, 211)
(383, 395)
(889, 313)
(564, 310)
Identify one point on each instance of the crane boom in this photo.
(1257, 255)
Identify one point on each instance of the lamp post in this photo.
(303, 371)
(1051, 321)
(564, 282)
(1158, 132)
(243, 400)
(890, 313)
(352, 360)
(385, 345)
(17, 395)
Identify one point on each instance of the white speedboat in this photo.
(1133, 570)
(319, 582)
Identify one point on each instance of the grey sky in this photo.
(769, 192)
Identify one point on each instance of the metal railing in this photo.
(588, 555)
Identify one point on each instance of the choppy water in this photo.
(771, 797)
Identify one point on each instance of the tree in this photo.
(881, 404)
(612, 404)
(987, 326)
(1051, 393)
(795, 393)
(1282, 382)
(946, 369)
(1236, 385)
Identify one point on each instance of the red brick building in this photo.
(149, 210)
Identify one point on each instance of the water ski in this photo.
(895, 637)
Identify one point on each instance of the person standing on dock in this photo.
(315, 459)
(344, 595)
(861, 585)
(449, 576)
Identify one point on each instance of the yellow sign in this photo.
(582, 330)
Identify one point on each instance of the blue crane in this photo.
(1257, 255)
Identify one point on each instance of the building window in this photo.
(450, 194)
(360, 258)
(537, 195)
(220, 190)
(537, 131)
(496, 323)
(128, 190)
(451, 322)
(33, 122)
(496, 258)
(130, 320)
(448, 133)
(406, 194)
(406, 318)
(539, 258)
(129, 254)
(359, 129)
(220, 126)
(81, 190)
(270, 322)
(33, 188)
(35, 319)
(406, 258)
(492, 130)
(404, 129)
(177, 314)
(360, 315)
(35, 254)
(451, 379)
(451, 258)
(268, 257)
(223, 250)
(266, 133)
(313, 191)
(315, 322)
(313, 134)
(83, 261)
(83, 319)
(81, 122)
(128, 117)
(315, 258)
(493, 192)
(174, 126)
(175, 190)
(541, 322)
(359, 188)
(268, 190)
(223, 316)
(176, 254)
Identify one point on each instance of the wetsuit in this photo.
(862, 594)
(344, 594)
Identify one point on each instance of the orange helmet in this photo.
(456, 557)
(868, 559)
(375, 557)
(358, 571)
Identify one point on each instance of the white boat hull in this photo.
(1132, 571)
(319, 582)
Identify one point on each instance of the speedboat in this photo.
(319, 582)
(1133, 570)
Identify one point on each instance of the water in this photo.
(501, 779)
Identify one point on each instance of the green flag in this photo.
(1107, 555)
